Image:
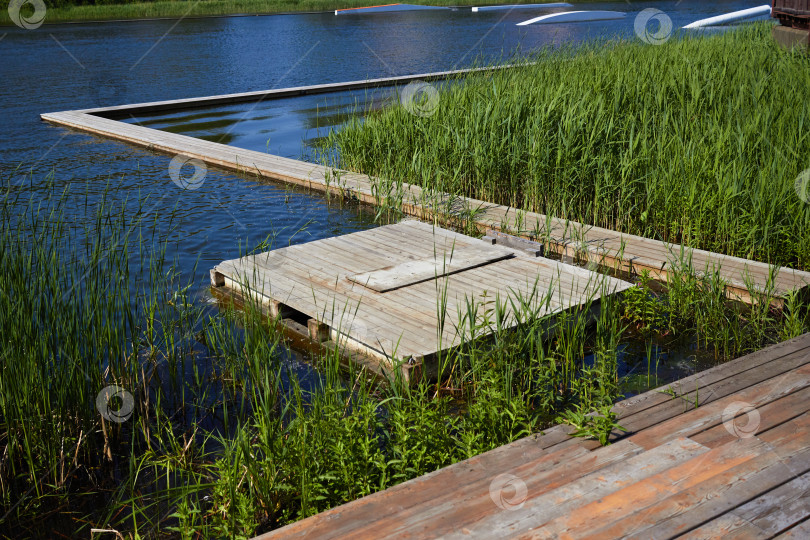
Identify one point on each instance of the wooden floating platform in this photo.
(724, 453)
(568, 239)
(380, 292)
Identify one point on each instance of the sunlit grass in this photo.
(697, 141)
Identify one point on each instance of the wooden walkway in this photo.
(380, 291)
(568, 239)
(736, 466)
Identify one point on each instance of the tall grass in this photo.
(84, 306)
(224, 439)
(697, 141)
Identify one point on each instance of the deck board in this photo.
(680, 477)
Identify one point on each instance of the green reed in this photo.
(86, 303)
(224, 439)
(697, 141)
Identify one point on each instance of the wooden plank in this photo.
(703, 381)
(576, 494)
(321, 303)
(711, 415)
(779, 509)
(765, 474)
(629, 510)
(726, 526)
(428, 308)
(329, 270)
(438, 510)
(410, 312)
(333, 261)
(697, 491)
(378, 338)
(565, 273)
(412, 272)
(264, 95)
(767, 417)
(428, 507)
(799, 532)
(744, 384)
(472, 286)
(567, 237)
(502, 239)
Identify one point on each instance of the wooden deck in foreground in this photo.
(379, 291)
(576, 241)
(737, 466)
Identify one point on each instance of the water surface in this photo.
(73, 66)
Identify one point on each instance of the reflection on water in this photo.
(289, 127)
(73, 66)
(388, 44)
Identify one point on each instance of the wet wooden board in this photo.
(689, 476)
(338, 282)
(568, 239)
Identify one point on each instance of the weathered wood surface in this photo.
(701, 472)
(569, 239)
(436, 266)
(397, 318)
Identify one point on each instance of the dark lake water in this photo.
(72, 66)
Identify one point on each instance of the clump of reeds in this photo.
(697, 141)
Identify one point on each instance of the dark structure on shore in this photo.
(794, 22)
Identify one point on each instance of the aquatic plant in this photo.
(700, 143)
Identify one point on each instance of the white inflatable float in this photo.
(574, 16)
(522, 6)
(731, 17)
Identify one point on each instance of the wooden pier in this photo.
(724, 453)
(571, 240)
(403, 293)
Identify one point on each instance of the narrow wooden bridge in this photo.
(578, 241)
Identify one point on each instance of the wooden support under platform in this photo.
(723, 453)
(570, 240)
(403, 293)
